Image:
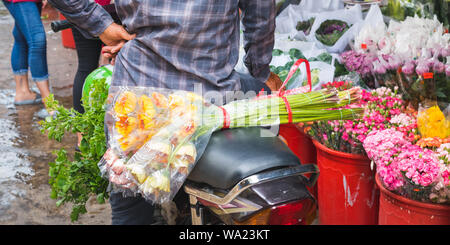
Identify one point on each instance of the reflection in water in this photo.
(15, 167)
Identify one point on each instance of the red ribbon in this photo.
(226, 118)
(282, 94)
(294, 68)
(288, 107)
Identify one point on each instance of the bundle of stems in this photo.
(321, 105)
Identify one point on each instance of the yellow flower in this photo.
(145, 122)
(193, 97)
(126, 125)
(147, 107)
(175, 101)
(432, 123)
(158, 180)
(126, 103)
(138, 172)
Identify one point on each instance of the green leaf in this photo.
(277, 52)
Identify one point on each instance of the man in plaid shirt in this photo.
(177, 44)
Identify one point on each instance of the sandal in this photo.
(35, 101)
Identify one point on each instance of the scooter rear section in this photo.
(248, 176)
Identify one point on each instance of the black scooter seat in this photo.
(235, 154)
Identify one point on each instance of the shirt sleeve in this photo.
(258, 20)
(87, 15)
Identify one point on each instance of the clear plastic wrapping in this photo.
(156, 135)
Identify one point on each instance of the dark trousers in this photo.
(135, 210)
(88, 52)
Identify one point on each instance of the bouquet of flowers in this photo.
(432, 122)
(157, 135)
(388, 56)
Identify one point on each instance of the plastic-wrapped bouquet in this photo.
(418, 66)
(432, 122)
(156, 135)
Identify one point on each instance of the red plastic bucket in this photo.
(67, 36)
(398, 210)
(301, 145)
(346, 187)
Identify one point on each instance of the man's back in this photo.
(180, 43)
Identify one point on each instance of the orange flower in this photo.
(128, 142)
(126, 103)
(160, 100)
(146, 106)
(126, 125)
(145, 122)
(429, 142)
(188, 128)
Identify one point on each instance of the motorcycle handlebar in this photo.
(64, 24)
(60, 25)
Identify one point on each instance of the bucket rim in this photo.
(339, 153)
(411, 202)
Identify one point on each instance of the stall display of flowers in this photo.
(416, 172)
(410, 149)
(383, 109)
(388, 56)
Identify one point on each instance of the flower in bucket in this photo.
(441, 191)
(407, 169)
(381, 106)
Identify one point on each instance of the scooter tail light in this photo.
(294, 213)
(301, 212)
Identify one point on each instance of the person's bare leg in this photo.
(80, 137)
(23, 91)
(44, 89)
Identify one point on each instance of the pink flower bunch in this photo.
(400, 163)
(441, 191)
(360, 62)
(419, 165)
(380, 106)
(405, 124)
(382, 147)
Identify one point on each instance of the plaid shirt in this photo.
(182, 43)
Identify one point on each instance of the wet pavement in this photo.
(24, 151)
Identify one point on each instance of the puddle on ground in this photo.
(25, 153)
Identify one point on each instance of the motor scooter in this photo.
(246, 176)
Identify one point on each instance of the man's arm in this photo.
(258, 20)
(87, 15)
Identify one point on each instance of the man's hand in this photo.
(274, 82)
(114, 36)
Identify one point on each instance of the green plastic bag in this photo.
(103, 72)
